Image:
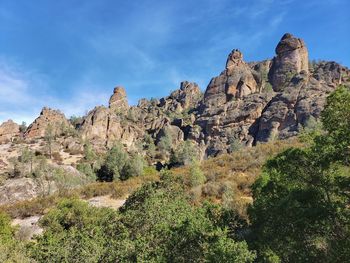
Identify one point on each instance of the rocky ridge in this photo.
(246, 104)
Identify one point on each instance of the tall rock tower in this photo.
(291, 59)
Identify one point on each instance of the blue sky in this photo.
(70, 54)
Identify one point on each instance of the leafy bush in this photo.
(115, 161)
(119, 165)
(301, 207)
(86, 169)
(134, 167)
(76, 232)
(186, 153)
(10, 249)
(171, 230)
(196, 177)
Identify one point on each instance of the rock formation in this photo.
(8, 131)
(247, 103)
(291, 59)
(118, 101)
(236, 81)
(239, 105)
(48, 119)
(128, 125)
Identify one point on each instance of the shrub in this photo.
(86, 169)
(10, 249)
(134, 167)
(115, 161)
(186, 153)
(77, 232)
(196, 176)
(165, 228)
(165, 143)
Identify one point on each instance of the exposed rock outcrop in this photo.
(21, 189)
(128, 125)
(247, 103)
(259, 113)
(182, 99)
(236, 81)
(8, 131)
(291, 59)
(50, 120)
(118, 101)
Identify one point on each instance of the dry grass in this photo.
(228, 181)
(229, 177)
(40, 206)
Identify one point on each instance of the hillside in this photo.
(255, 169)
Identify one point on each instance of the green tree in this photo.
(165, 143)
(23, 127)
(120, 166)
(77, 232)
(28, 157)
(165, 228)
(134, 167)
(301, 202)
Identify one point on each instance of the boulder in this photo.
(8, 131)
(20, 189)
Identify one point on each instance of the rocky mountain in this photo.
(246, 104)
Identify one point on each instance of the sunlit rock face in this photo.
(247, 103)
(48, 119)
(291, 59)
(8, 131)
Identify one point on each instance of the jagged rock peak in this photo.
(291, 59)
(118, 100)
(186, 85)
(234, 58)
(48, 117)
(289, 43)
(236, 81)
(46, 111)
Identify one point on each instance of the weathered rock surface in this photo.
(236, 81)
(291, 59)
(118, 101)
(27, 228)
(8, 131)
(48, 119)
(128, 125)
(239, 105)
(247, 103)
(182, 99)
(19, 189)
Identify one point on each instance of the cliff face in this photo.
(274, 99)
(49, 120)
(247, 103)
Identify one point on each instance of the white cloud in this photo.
(24, 93)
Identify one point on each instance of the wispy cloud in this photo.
(23, 94)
